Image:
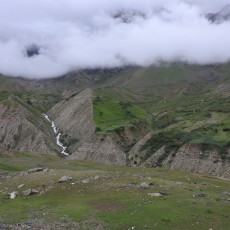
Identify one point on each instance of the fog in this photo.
(49, 38)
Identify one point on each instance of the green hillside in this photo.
(190, 100)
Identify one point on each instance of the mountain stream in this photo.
(57, 135)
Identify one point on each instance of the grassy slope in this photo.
(176, 98)
(110, 114)
(110, 200)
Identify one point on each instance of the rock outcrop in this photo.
(102, 149)
(191, 158)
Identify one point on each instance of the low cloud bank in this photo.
(42, 39)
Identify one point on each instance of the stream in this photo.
(57, 135)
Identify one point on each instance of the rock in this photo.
(65, 179)
(20, 186)
(12, 195)
(144, 185)
(29, 223)
(204, 183)
(157, 194)
(178, 182)
(226, 193)
(2, 227)
(30, 192)
(85, 181)
(199, 195)
(96, 177)
(35, 170)
(42, 193)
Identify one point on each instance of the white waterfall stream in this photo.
(57, 135)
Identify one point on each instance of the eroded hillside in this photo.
(174, 116)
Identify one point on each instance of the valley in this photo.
(166, 126)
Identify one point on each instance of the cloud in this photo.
(48, 38)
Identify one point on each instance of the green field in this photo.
(114, 200)
(110, 114)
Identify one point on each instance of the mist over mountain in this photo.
(42, 39)
(221, 16)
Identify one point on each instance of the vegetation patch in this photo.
(110, 114)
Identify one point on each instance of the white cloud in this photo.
(72, 34)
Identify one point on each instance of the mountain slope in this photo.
(134, 116)
(22, 126)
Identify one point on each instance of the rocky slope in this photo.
(19, 132)
(102, 149)
(74, 117)
(189, 157)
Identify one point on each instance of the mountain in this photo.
(221, 16)
(142, 149)
(170, 115)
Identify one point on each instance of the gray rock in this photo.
(65, 179)
(13, 195)
(21, 185)
(30, 192)
(85, 181)
(2, 227)
(204, 183)
(35, 170)
(29, 223)
(144, 185)
(96, 177)
(199, 195)
(156, 194)
(178, 182)
(226, 193)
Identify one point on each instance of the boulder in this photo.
(96, 177)
(85, 181)
(226, 193)
(2, 226)
(35, 170)
(30, 192)
(13, 195)
(145, 185)
(20, 186)
(65, 179)
(156, 194)
(199, 195)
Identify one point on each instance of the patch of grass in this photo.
(110, 114)
(5, 167)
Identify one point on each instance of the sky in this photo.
(49, 38)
